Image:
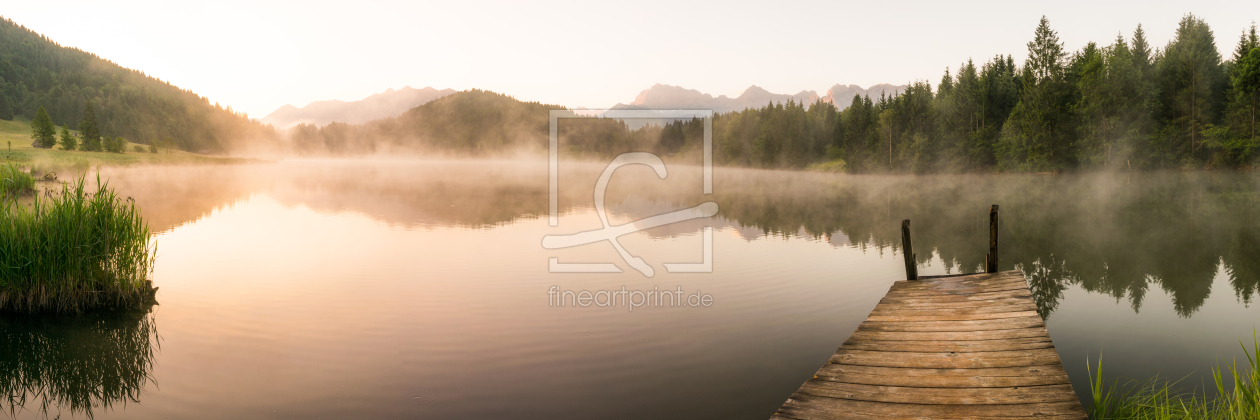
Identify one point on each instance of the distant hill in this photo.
(35, 72)
(390, 103)
(665, 96)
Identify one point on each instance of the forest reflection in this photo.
(75, 364)
(1115, 233)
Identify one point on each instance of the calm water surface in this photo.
(396, 289)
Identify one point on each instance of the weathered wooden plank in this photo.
(964, 304)
(944, 378)
(980, 280)
(956, 360)
(915, 311)
(938, 326)
(950, 317)
(951, 335)
(805, 406)
(1022, 293)
(950, 346)
(965, 278)
(907, 293)
(912, 395)
(987, 287)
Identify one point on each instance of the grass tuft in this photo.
(74, 251)
(14, 181)
(1159, 399)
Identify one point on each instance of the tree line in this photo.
(36, 72)
(1121, 105)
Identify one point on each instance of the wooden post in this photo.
(912, 270)
(991, 261)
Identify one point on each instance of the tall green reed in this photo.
(1160, 399)
(14, 181)
(73, 251)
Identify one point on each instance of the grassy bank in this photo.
(15, 147)
(71, 251)
(1238, 396)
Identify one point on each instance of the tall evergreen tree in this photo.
(68, 142)
(1191, 81)
(1109, 112)
(1243, 108)
(42, 129)
(1036, 136)
(1141, 51)
(89, 129)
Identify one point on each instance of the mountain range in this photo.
(390, 103)
(665, 96)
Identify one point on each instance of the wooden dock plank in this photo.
(944, 378)
(947, 347)
(928, 346)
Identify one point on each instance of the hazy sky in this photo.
(258, 55)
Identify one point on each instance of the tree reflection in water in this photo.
(75, 364)
(1113, 233)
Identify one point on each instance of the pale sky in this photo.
(258, 55)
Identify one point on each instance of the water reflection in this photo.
(1118, 234)
(74, 364)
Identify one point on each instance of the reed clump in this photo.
(73, 251)
(14, 181)
(1236, 399)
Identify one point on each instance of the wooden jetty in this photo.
(967, 346)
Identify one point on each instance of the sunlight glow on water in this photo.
(406, 290)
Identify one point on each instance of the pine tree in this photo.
(68, 142)
(1141, 52)
(88, 129)
(1192, 85)
(1037, 136)
(1045, 53)
(42, 129)
(1244, 99)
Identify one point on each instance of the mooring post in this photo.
(991, 260)
(912, 271)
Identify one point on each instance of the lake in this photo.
(421, 289)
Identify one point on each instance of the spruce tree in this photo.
(1141, 52)
(1045, 53)
(68, 142)
(1192, 83)
(1037, 135)
(42, 129)
(1244, 101)
(88, 129)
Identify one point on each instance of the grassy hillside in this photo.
(35, 72)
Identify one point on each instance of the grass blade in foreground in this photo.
(1158, 399)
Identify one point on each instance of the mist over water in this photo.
(419, 288)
